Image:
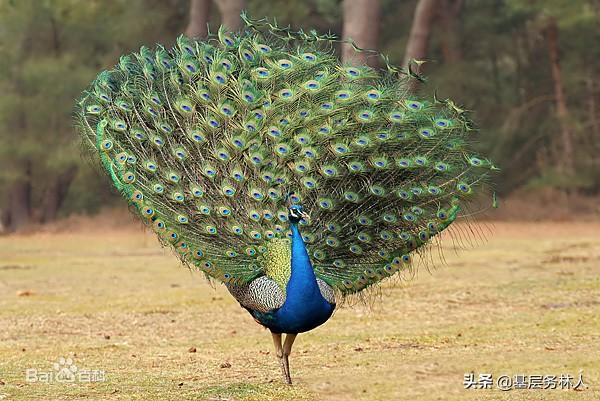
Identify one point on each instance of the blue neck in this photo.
(303, 283)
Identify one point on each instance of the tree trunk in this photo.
(230, 13)
(519, 89)
(55, 194)
(18, 201)
(566, 139)
(496, 77)
(199, 16)
(418, 39)
(361, 24)
(448, 15)
(416, 48)
(591, 103)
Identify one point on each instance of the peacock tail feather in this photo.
(210, 142)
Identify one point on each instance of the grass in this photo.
(527, 301)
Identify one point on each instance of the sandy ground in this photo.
(526, 300)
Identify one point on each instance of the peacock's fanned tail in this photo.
(210, 142)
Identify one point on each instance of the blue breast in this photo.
(297, 316)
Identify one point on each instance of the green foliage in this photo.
(50, 49)
(554, 178)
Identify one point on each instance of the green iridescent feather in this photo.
(211, 141)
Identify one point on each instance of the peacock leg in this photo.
(279, 352)
(287, 350)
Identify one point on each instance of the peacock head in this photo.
(295, 214)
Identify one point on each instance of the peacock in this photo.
(270, 166)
